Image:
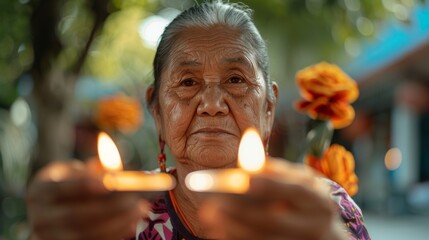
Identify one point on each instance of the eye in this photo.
(235, 79)
(188, 82)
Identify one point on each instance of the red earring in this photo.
(161, 156)
(266, 146)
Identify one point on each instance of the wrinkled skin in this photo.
(210, 92)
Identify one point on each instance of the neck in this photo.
(189, 203)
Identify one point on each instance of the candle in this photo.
(251, 160)
(115, 179)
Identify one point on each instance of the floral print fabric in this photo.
(350, 212)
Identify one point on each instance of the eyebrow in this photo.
(189, 63)
(239, 60)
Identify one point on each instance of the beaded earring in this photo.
(161, 156)
(266, 146)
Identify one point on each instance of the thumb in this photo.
(211, 218)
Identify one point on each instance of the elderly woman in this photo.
(211, 84)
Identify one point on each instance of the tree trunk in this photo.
(51, 90)
(54, 98)
(53, 85)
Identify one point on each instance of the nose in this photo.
(212, 101)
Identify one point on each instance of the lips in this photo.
(214, 127)
(212, 131)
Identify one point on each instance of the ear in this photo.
(271, 105)
(154, 107)
(270, 112)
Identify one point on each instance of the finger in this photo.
(84, 220)
(235, 228)
(208, 214)
(223, 225)
(295, 194)
(64, 180)
(62, 170)
(84, 213)
(257, 216)
(119, 226)
(297, 173)
(49, 192)
(297, 225)
(271, 221)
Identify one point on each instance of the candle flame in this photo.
(108, 153)
(251, 154)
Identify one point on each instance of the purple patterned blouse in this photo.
(164, 223)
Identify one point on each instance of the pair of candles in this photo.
(251, 160)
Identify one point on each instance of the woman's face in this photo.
(211, 91)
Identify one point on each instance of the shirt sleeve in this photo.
(351, 214)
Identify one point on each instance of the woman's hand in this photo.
(67, 201)
(286, 202)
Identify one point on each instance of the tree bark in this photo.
(54, 86)
(54, 119)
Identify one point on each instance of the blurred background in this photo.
(61, 61)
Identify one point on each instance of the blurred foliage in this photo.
(15, 51)
(116, 54)
(299, 32)
(119, 53)
(15, 144)
(336, 19)
(314, 30)
(319, 29)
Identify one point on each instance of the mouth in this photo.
(212, 131)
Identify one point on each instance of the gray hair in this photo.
(209, 14)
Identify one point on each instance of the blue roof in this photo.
(89, 88)
(392, 42)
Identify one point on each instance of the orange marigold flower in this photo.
(338, 165)
(328, 80)
(119, 112)
(328, 93)
(340, 113)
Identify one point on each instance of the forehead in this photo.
(197, 44)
